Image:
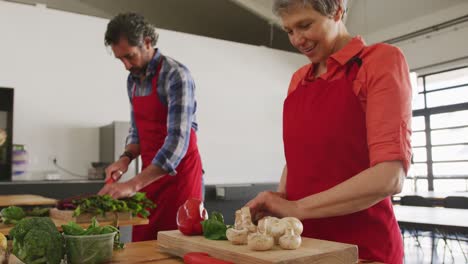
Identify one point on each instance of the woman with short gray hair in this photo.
(346, 133)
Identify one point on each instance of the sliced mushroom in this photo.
(290, 240)
(294, 223)
(237, 236)
(259, 241)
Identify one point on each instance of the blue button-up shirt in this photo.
(176, 89)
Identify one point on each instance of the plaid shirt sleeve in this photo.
(132, 137)
(179, 88)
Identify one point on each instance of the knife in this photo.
(111, 179)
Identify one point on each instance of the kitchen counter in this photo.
(144, 252)
(57, 189)
(150, 252)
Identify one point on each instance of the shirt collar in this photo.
(350, 50)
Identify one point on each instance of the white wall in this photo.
(67, 85)
(438, 47)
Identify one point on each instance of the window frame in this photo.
(426, 113)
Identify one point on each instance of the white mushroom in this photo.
(272, 226)
(237, 236)
(259, 241)
(244, 220)
(293, 223)
(263, 227)
(290, 240)
(277, 229)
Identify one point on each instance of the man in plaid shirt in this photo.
(163, 125)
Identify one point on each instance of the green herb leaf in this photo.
(214, 228)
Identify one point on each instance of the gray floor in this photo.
(452, 252)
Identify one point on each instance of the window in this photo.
(440, 132)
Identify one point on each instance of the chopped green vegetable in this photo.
(37, 240)
(12, 214)
(100, 204)
(214, 228)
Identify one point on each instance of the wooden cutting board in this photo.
(25, 199)
(67, 215)
(311, 251)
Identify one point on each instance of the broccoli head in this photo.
(12, 214)
(37, 240)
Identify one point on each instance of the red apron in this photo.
(169, 192)
(324, 134)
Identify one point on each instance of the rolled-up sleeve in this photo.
(132, 137)
(388, 113)
(180, 89)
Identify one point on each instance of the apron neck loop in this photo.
(352, 67)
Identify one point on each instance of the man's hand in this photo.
(150, 174)
(272, 203)
(118, 190)
(117, 169)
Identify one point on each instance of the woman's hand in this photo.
(274, 204)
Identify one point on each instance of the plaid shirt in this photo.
(176, 89)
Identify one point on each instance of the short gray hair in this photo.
(324, 7)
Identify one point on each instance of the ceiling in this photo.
(251, 21)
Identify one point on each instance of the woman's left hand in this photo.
(118, 190)
(272, 203)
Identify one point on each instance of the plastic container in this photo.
(19, 161)
(92, 249)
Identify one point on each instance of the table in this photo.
(25, 200)
(432, 218)
(438, 220)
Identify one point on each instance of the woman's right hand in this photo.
(116, 170)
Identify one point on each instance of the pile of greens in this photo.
(214, 227)
(100, 204)
(36, 240)
(13, 214)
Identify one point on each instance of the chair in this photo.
(415, 200)
(459, 202)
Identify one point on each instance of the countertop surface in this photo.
(25, 182)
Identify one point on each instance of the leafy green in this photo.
(214, 227)
(37, 240)
(101, 204)
(12, 214)
(38, 211)
(73, 229)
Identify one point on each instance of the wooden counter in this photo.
(144, 252)
(150, 252)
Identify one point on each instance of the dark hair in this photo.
(133, 27)
(324, 7)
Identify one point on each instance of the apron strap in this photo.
(154, 81)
